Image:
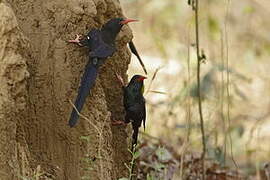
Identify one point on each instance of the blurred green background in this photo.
(235, 38)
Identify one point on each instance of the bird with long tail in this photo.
(134, 104)
(101, 44)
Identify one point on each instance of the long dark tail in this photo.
(135, 52)
(87, 82)
(134, 137)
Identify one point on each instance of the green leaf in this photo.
(163, 154)
(86, 138)
(149, 177)
(23, 178)
(85, 177)
(159, 166)
(136, 154)
(88, 168)
(248, 10)
(87, 160)
(213, 28)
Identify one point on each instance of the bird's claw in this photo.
(76, 40)
(120, 79)
(118, 123)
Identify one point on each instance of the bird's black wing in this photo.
(97, 46)
(137, 113)
(102, 51)
(91, 39)
(144, 115)
(135, 52)
(126, 104)
(87, 82)
(125, 99)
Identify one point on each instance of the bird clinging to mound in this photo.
(101, 44)
(134, 104)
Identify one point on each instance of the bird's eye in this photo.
(121, 21)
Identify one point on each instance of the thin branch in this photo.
(152, 80)
(99, 134)
(257, 123)
(199, 58)
(182, 156)
(157, 92)
(84, 117)
(228, 82)
(222, 99)
(188, 84)
(188, 110)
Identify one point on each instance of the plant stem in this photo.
(199, 85)
(222, 99)
(228, 83)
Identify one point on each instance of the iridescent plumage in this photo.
(134, 104)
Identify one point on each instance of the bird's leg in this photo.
(76, 40)
(118, 123)
(120, 79)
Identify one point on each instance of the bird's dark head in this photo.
(138, 78)
(137, 82)
(114, 25)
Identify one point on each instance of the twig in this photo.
(150, 136)
(188, 110)
(157, 92)
(228, 82)
(258, 122)
(222, 99)
(84, 117)
(199, 58)
(133, 162)
(182, 156)
(152, 79)
(188, 84)
(99, 134)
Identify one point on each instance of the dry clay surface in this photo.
(39, 74)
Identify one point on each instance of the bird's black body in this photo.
(134, 104)
(101, 44)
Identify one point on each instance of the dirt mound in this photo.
(40, 73)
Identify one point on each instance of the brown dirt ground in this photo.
(39, 74)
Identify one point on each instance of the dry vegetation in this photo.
(234, 36)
